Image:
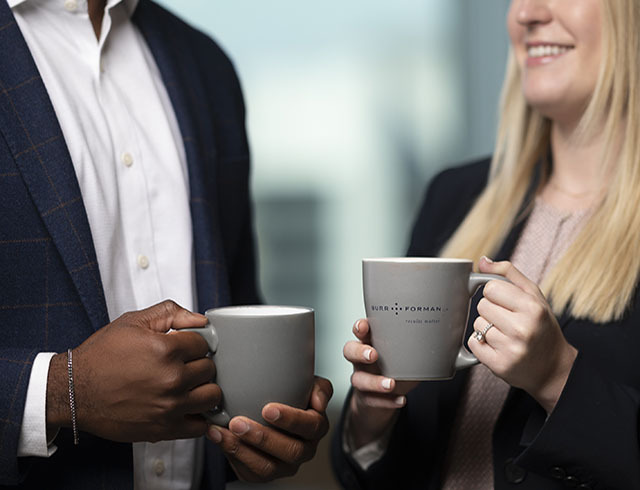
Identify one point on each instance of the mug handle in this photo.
(217, 415)
(465, 358)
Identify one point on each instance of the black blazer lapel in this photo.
(30, 128)
(177, 66)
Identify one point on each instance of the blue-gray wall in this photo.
(352, 106)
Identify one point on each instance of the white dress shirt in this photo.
(128, 156)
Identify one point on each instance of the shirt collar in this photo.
(130, 5)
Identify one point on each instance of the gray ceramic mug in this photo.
(262, 354)
(417, 310)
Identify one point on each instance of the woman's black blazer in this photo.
(589, 441)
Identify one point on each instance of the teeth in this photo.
(546, 50)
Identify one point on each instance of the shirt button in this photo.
(70, 5)
(127, 159)
(158, 467)
(143, 261)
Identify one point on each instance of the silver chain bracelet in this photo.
(72, 398)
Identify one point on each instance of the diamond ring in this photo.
(480, 336)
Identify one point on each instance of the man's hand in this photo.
(258, 453)
(135, 382)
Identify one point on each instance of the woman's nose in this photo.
(532, 12)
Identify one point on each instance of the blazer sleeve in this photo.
(592, 436)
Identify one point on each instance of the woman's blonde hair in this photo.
(596, 277)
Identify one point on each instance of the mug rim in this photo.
(253, 311)
(418, 260)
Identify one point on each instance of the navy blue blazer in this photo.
(590, 440)
(51, 295)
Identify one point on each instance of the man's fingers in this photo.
(281, 446)
(198, 372)
(166, 315)
(193, 426)
(307, 424)
(187, 346)
(200, 399)
(249, 462)
(187, 319)
(321, 394)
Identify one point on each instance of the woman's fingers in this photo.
(391, 401)
(376, 391)
(509, 271)
(488, 349)
(490, 312)
(503, 293)
(364, 381)
(358, 353)
(361, 330)
(370, 388)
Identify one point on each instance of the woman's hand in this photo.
(525, 346)
(375, 398)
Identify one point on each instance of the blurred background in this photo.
(352, 107)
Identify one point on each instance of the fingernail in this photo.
(239, 427)
(356, 326)
(386, 383)
(215, 435)
(400, 401)
(487, 259)
(272, 414)
(367, 354)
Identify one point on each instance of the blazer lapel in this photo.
(177, 67)
(30, 128)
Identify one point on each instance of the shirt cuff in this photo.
(33, 432)
(371, 452)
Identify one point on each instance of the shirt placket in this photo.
(133, 192)
(135, 188)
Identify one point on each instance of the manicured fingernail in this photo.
(356, 326)
(272, 414)
(215, 435)
(487, 259)
(386, 383)
(400, 401)
(367, 354)
(239, 427)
